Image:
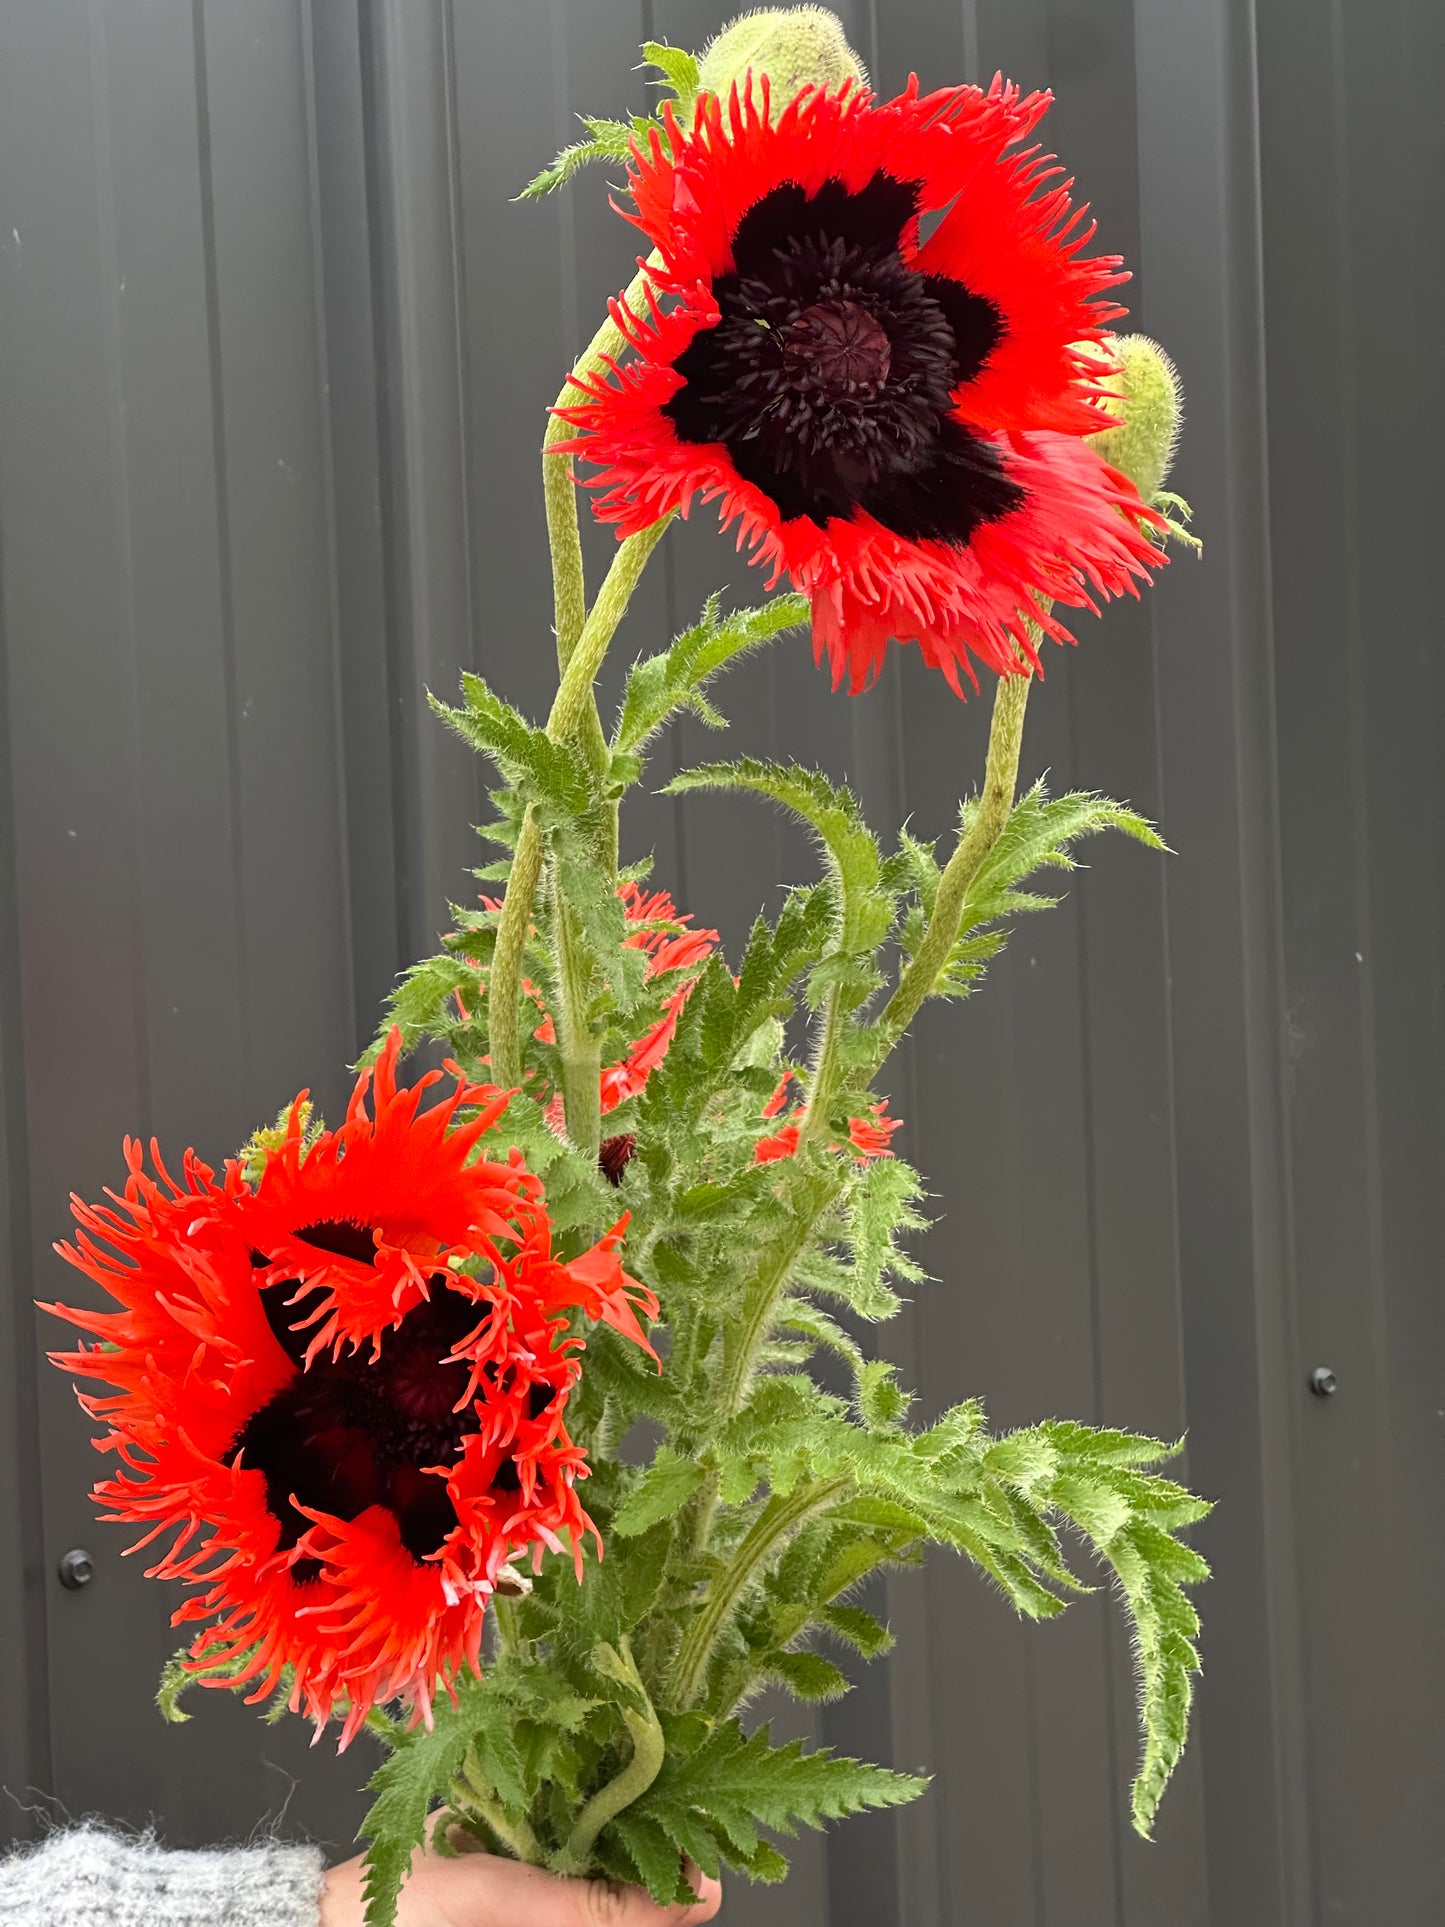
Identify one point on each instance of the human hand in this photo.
(483, 1890)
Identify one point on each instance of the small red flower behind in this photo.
(671, 949)
(868, 1136)
(354, 1437)
(896, 424)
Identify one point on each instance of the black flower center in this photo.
(350, 1433)
(837, 349)
(830, 374)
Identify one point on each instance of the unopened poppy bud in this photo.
(795, 47)
(1151, 402)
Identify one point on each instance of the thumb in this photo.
(483, 1891)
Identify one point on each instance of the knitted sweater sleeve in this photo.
(90, 1878)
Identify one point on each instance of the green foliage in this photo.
(663, 1489)
(660, 686)
(676, 65)
(611, 140)
(1039, 835)
(180, 1673)
(549, 775)
(408, 1781)
(775, 1466)
(714, 1794)
(863, 906)
(607, 140)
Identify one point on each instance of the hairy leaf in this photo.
(659, 686)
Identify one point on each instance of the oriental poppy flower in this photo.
(868, 1136)
(353, 1450)
(896, 424)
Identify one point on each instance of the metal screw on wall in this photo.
(76, 1569)
(1323, 1382)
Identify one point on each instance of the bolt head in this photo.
(76, 1569)
(1323, 1382)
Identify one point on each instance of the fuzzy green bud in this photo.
(1152, 404)
(795, 47)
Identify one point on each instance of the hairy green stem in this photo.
(383, 1726)
(504, 1618)
(743, 1345)
(778, 1518)
(513, 928)
(648, 1748)
(580, 1050)
(574, 696)
(569, 604)
(824, 1085)
(473, 1793)
(569, 592)
(559, 496)
(1005, 741)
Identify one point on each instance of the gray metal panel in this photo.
(170, 695)
(1353, 263)
(277, 345)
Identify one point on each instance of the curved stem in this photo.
(574, 696)
(825, 1072)
(743, 1343)
(648, 1749)
(1005, 741)
(580, 1050)
(513, 927)
(569, 605)
(504, 1618)
(774, 1523)
(559, 495)
(473, 1794)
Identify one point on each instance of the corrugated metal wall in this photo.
(274, 350)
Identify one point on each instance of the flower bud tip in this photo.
(795, 47)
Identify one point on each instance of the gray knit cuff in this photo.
(89, 1878)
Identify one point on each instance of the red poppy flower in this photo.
(896, 424)
(671, 947)
(353, 1449)
(868, 1135)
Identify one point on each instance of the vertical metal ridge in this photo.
(1348, 417)
(1089, 1155)
(371, 48)
(1201, 222)
(26, 1763)
(307, 33)
(564, 204)
(120, 488)
(424, 431)
(225, 563)
(972, 52)
(459, 312)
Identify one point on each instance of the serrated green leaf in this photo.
(655, 1856)
(405, 1784)
(659, 686)
(666, 1486)
(865, 910)
(861, 1630)
(743, 1783)
(608, 140)
(547, 774)
(882, 1402)
(808, 1676)
(677, 66)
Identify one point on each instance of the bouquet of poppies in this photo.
(369, 1386)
